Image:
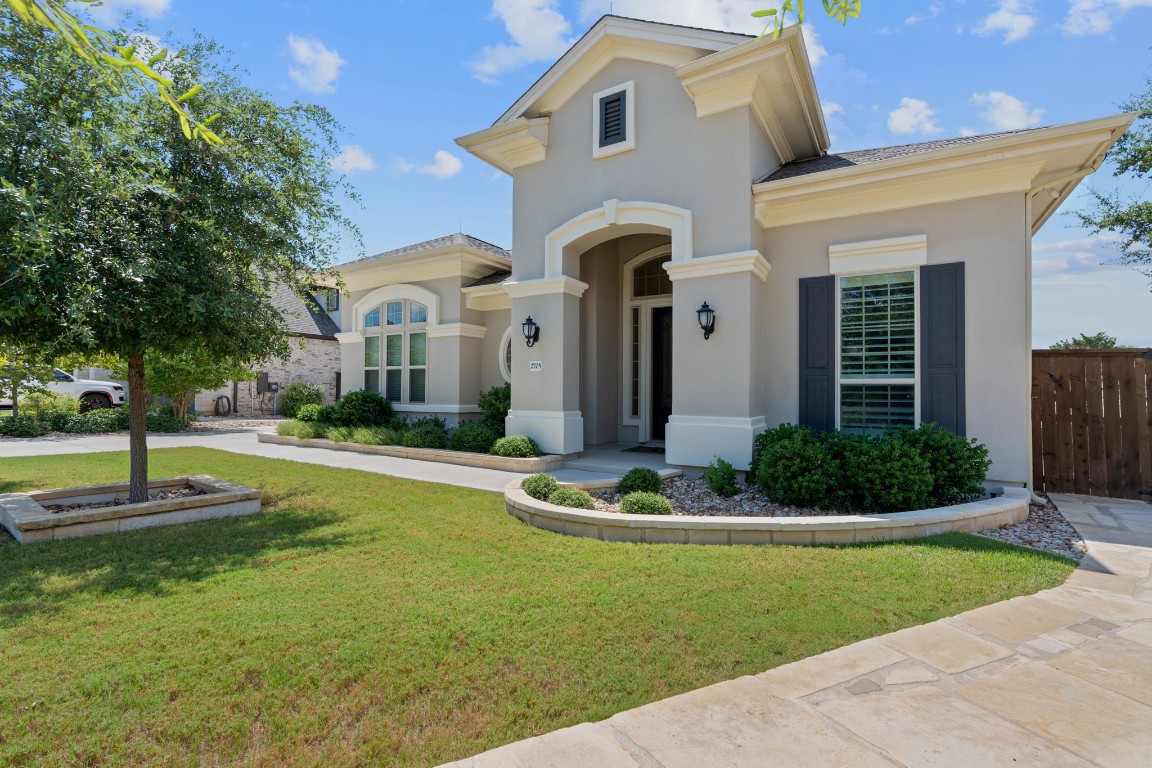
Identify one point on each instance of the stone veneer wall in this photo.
(314, 360)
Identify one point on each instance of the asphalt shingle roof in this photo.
(457, 239)
(493, 279)
(865, 156)
(302, 317)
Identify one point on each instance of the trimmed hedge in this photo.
(428, 432)
(645, 503)
(475, 437)
(94, 422)
(516, 447)
(361, 409)
(640, 479)
(571, 497)
(540, 486)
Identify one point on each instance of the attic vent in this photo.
(612, 108)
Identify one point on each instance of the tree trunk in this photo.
(182, 406)
(137, 430)
(15, 398)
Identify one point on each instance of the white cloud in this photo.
(538, 30)
(111, 11)
(913, 116)
(1083, 255)
(319, 66)
(934, 10)
(1006, 112)
(816, 50)
(352, 158)
(966, 131)
(1013, 17)
(1095, 17)
(444, 165)
(727, 15)
(831, 108)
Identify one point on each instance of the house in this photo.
(690, 265)
(311, 325)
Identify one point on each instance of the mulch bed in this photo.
(174, 493)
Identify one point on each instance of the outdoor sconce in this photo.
(707, 317)
(531, 331)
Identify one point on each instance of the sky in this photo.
(406, 77)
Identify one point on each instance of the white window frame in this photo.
(404, 330)
(505, 343)
(629, 143)
(646, 304)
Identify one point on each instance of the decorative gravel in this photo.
(211, 423)
(691, 496)
(1044, 529)
(174, 493)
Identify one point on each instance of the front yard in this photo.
(369, 620)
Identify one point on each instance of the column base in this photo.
(694, 441)
(560, 432)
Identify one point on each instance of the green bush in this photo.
(399, 424)
(427, 432)
(640, 479)
(800, 471)
(721, 478)
(645, 503)
(300, 393)
(376, 436)
(958, 466)
(495, 404)
(160, 422)
(765, 439)
(361, 409)
(305, 430)
(516, 447)
(50, 409)
(314, 412)
(540, 486)
(888, 475)
(476, 437)
(339, 434)
(98, 420)
(21, 426)
(571, 497)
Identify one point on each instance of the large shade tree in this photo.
(121, 236)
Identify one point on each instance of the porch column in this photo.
(546, 376)
(351, 361)
(718, 398)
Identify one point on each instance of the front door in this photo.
(661, 399)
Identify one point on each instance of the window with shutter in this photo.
(614, 121)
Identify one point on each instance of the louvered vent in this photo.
(612, 119)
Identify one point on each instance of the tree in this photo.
(1084, 341)
(837, 10)
(1129, 216)
(121, 236)
(176, 376)
(22, 371)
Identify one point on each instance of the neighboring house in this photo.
(311, 326)
(660, 168)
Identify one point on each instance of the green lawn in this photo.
(367, 620)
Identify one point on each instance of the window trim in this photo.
(505, 343)
(404, 331)
(645, 305)
(629, 143)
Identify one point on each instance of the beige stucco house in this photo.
(660, 168)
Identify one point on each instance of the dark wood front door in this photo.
(661, 370)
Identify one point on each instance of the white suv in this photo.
(91, 394)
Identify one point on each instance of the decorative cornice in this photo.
(546, 287)
(510, 145)
(486, 298)
(350, 337)
(444, 330)
(715, 266)
(885, 255)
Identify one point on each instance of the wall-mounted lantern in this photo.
(531, 331)
(707, 317)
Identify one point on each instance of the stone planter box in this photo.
(461, 458)
(1007, 509)
(23, 515)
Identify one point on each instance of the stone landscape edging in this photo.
(547, 463)
(1007, 509)
(24, 517)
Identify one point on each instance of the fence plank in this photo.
(1094, 393)
(1130, 427)
(1065, 444)
(1114, 426)
(1078, 423)
(1047, 448)
(1143, 386)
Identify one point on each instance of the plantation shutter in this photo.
(818, 353)
(942, 346)
(612, 109)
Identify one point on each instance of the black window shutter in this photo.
(612, 125)
(818, 353)
(942, 346)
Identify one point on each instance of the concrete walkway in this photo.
(1060, 678)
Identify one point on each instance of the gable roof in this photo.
(496, 278)
(437, 243)
(863, 156)
(302, 317)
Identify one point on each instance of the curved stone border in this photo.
(546, 463)
(1008, 509)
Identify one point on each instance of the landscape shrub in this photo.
(50, 409)
(571, 497)
(21, 426)
(339, 434)
(640, 479)
(314, 412)
(427, 432)
(720, 476)
(297, 394)
(885, 474)
(100, 420)
(801, 471)
(645, 503)
(158, 422)
(361, 409)
(516, 447)
(476, 437)
(763, 440)
(540, 486)
(399, 424)
(375, 436)
(958, 465)
(305, 430)
(495, 404)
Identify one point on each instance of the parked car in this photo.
(91, 394)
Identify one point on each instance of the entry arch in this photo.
(614, 219)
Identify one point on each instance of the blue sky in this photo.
(405, 77)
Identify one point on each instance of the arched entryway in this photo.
(646, 323)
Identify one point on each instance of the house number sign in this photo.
(536, 366)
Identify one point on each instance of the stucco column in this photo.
(351, 361)
(718, 392)
(454, 369)
(546, 376)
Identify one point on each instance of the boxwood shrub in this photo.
(516, 447)
(645, 503)
(361, 409)
(475, 437)
(640, 479)
(540, 486)
(720, 476)
(494, 405)
(427, 432)
(314, 412)
(571, 497)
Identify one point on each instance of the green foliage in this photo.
(340, 434)
(571, 497)
(97, 421)
(314, 412)
(516, 447)
(50, 409)
(427, 432)
(23, 369)
(540, 486)
(885, 474)
(958, 466)
(361, 409)
(178, 376)
(645, 503)
(720, 476)
(801, 471)
(765, 439)
(476, 437)
(495, 404)
(305, 430)
(1099, 340)
(837, 10)
(157, 422)
(640, 479)
(376, 436)
(21, 426)
(300, 393)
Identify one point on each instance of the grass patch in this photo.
(370, 620)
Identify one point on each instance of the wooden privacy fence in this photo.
(1092, 422)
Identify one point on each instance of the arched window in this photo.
(651, 279)
(396, 353)
(506, 355)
